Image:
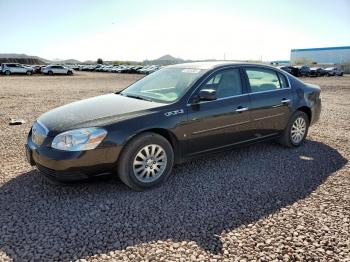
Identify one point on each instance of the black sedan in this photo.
(317, 71)
(174, 114)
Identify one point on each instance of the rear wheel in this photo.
(50, 73)
(296, 130)
(69, 72)
(7, 72)
(29, 73)
(146, 161)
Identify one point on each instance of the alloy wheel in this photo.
(150, 163)
(298, 130)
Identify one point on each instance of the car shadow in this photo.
(200, 200)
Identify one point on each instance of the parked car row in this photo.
(130, 69)
(303, 70)
(15, 68)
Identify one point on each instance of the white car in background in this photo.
(334, 71)
(15, 68)
(56, 69)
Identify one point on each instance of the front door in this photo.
(221, 122)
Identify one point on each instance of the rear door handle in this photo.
(241, 109)
(285, 101)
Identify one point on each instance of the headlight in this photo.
(79, 139)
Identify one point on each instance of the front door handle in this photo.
(285, 101)
(241, 109)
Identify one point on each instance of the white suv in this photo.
(15, 68)
(334, 71)
(56, 69)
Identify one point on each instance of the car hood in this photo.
(95, 111)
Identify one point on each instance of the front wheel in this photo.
(29, 73)
(69, 73)
(50, 73)
(296, 130)
(7, 72)
(146, 161)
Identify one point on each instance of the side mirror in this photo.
(207, 95)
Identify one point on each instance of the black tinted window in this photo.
(261, 79)
(226, 83)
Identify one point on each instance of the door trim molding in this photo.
(219, 127)
(266, 117)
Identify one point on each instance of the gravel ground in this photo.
(261, 202)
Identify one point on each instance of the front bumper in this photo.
(67, 166)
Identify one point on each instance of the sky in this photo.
(197, 30)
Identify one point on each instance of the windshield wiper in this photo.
(137, 97)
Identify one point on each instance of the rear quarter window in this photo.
(283, 80)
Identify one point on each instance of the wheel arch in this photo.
(168, 135)
(307, 111)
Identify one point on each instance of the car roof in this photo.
(203, 65)
(216, 64)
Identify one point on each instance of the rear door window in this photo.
(261, 80)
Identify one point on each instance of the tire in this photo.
(29, 73)
(286, 138)
(7, 72)
(69, 73)
(131, 166)
(50, 73)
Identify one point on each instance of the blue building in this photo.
(327, 55)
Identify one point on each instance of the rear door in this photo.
(221, 122)
(271, 100)
(61, 70)
(56, 69)
(21, 69)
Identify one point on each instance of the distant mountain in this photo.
(36, 60)
(168, 57)
(15, 56)
(21, 58)
(68, 61)
(165, 60)
(89, 62)
(27, 59)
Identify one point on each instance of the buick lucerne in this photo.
(173, 114)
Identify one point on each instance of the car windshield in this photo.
(165, 85)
